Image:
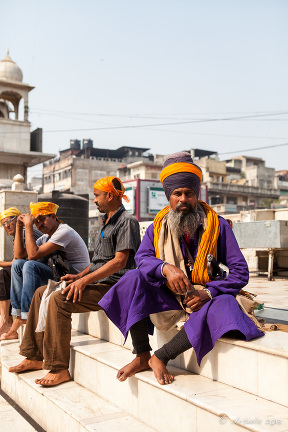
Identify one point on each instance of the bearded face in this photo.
(186, 223)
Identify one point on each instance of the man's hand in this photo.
(26, 219)
(69, 278)
(19, 222)
(177, 280)
(196, 300)
(74, 290)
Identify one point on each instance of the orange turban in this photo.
(10, 212)
(44, 208)
(105, 184)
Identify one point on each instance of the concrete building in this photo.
(19, 149)
(281, 180)
(145, 170)
(76, 169)
(240, 183)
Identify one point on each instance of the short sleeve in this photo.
(128, 235)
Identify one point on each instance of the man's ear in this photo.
(110, 195)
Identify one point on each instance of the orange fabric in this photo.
(157, 224)
(43, 208)
(207, 245)
(180, 167)
(105, 184)
(10, 212)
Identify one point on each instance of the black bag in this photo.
(59, 264)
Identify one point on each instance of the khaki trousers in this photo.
(53, 345)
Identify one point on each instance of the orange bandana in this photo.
(44, 208)
(105, 184)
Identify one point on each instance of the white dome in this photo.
(9, 69)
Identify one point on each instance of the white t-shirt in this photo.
(71, 243)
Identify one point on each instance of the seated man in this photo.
(172, 260)
(115, 246)
(28, 275)
(8, 219)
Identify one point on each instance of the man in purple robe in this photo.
(172, 283)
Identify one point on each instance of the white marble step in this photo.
(259, 367)
(192, 402)
(11, 420)
(68, 407)
(195, 402)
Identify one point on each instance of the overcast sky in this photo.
(208, 74)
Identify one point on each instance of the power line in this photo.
(254, 149)
(246, 117)
(153, 116)
(166, 124)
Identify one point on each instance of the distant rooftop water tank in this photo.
(87, 143)
(75, 144)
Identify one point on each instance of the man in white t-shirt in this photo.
(28, 275)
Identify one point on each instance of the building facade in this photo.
(240, 183)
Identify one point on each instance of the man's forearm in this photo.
(31, 246)
(105, 271)
(19, 249)
(5, 264)
(83, 272)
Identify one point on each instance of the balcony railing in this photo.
(242, 189)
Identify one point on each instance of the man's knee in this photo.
(18, 264)
(30, 267)
(227, 299)
(40, 291)
(59, 300)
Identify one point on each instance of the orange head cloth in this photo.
(10, 212)
(43, 208)
(105, 184)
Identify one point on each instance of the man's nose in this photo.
(183, 198)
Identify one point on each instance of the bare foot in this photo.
(53, 378)
(160, 371)
(9, 335)
(26, 365)
(12, 333)
(5, 328)
(140, 363)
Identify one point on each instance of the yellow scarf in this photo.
(208, 244)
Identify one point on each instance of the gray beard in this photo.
(186, 224)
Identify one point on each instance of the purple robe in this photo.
(142, 292)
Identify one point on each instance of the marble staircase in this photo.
(11, 420)
(239, 386)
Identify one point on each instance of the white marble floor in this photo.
(273, 293)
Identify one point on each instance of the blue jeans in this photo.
(26, 277)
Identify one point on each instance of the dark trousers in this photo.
(5, 283)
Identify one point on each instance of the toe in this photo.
(122, 377)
